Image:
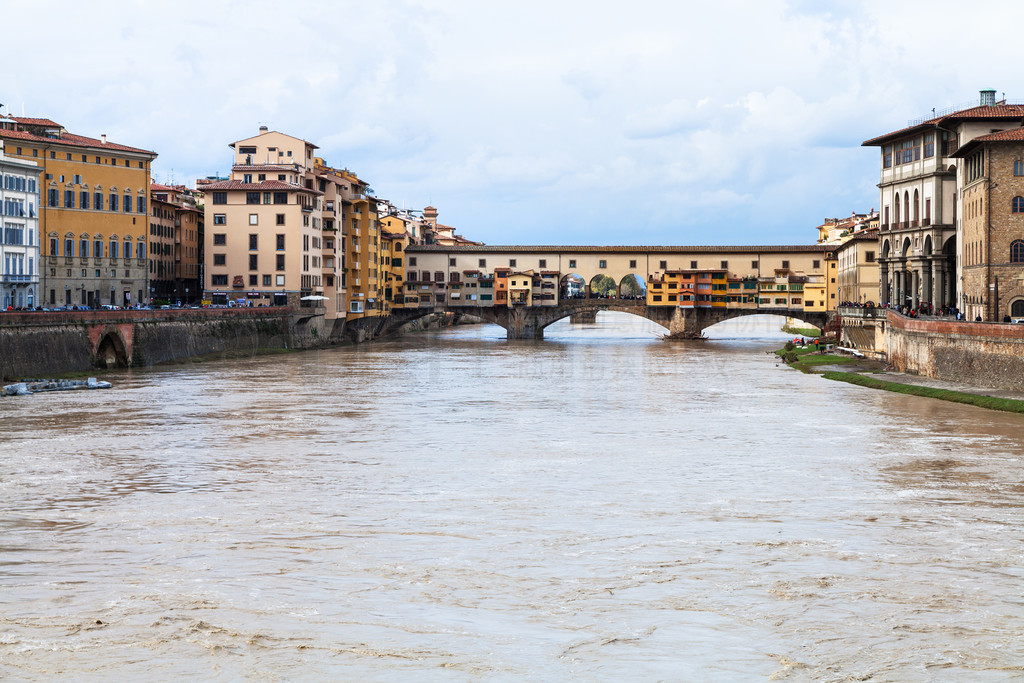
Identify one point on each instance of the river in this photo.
(600, 505)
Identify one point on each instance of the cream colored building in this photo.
(434, 272)
(922, 211)
(857, 268)
(266, 241)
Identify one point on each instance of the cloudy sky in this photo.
(529, 122)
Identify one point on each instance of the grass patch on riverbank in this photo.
(802, 331)
(991, 402)
(807, 358)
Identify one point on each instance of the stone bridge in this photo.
(529, 322)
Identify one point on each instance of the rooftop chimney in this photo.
(103, 138)
(988, 97)
(264, 129)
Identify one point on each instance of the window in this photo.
(511, 263)
(97, 249)
(816, 264)
(219, 239)
(572, 263)
(254, 219)
(83, 249)
(280, 280)
(69, 248)
(83, 199)
(254, 242)
(97, 201)
(869, 256)
(216, 280)
(785, 264)
(220, 219)
(280, 262)
(253, 279)
(140, 250)
(280, 242)
(113, 250)
(220, 197)
(51, 197)
(253, 261)
(602, 264)
(482, 262)
(142, 205)
(127, 250)
(281, 197)
(1018, 204)
(267, 282)
(1018, 168)
(543, 263)
(1017, 251)
(632, 263)
(113, 202)
(929, 145)
(280, 219)
(725, 265)
(69, 199)
(247, 178)
(220, 259)
(252, 197)
(127, 203)
(451, 263)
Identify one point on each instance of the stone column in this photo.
(898, 286)
(915, 284)
(883, 280)
(926, 282)
(938, 276)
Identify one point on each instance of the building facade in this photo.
(921, 208)
(93, 220)
(857, 268)
(175, 244)
(19, 232)
(263, 228)
(991, 178)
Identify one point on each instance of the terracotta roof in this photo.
(262, 186)
(999, 111)
(161, 188)
(1008, 135)
(36, 122)
(72, 140)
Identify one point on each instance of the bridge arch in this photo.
(112, 351)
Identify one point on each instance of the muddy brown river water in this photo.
(452, 506)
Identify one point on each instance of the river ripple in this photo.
(599, 505)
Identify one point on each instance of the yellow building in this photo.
(93, 222)
(362, 235)
(392, 269)
(520, 289)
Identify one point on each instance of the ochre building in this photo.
(93, 222)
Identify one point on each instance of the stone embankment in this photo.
(978, 354)
(53, 343)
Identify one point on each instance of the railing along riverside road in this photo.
(863, 311)
(32, 318)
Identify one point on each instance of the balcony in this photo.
(17, 278)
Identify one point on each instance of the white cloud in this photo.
(531, 121)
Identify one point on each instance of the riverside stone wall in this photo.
(981, 354)
(50, 343)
